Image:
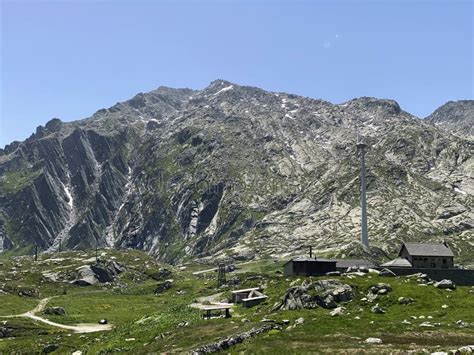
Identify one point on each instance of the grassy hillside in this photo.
(145, 323)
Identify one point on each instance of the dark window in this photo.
(426, 259)
(444, 261)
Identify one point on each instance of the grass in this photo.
(146, 323)
(15, 181)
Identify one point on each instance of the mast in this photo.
(364, 235)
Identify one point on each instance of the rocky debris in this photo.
(387, 273)
(182, 324)
(5, 331)
(462, 324)
(405, 300)
(225, 344)
(51, 276)
(420, 278)
(373, 341)
(445, 284)
(451, 211)
(50, 348)
(377, 309)
(427, 325)
(27, 292)
(162, 287)
(323, 293)
(299, 321)
(381, 289)
(59, 311)
(162, 273)
(339, 311)
(464, 350)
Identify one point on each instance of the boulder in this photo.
(339, 311)
(59, 311)
(86, 276)
(377, 309)
(373, 341)
(103, 321)
(405, 300)
(103, 274)
(50, 348)
(445, 284)
(5, 332)
(381, 289)
(299, 321)
(162, 287)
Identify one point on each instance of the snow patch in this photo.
(459, 191)
(69, 196)
(227, 88)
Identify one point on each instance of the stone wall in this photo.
(460, 277)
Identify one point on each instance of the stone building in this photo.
(428, 255)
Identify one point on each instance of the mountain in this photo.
(457, 116)
(235, 171)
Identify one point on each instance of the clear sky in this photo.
(68, 59)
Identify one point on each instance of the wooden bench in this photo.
(208, 309)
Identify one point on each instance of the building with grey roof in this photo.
(428, 255)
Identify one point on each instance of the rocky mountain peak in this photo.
(456, 116)
(372, 104)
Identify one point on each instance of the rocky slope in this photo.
(238, 171)
(456, 116)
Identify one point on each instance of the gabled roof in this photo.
(427, 249)
(399, 262)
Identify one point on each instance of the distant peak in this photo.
(365, 102)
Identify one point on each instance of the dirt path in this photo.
(79, 328)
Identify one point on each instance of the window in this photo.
(444, 261)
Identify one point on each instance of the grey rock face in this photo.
(234, 171)
(456, 116)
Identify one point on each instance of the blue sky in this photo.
(68, 59)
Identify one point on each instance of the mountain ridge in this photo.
(233, 170)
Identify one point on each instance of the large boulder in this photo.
(103, 274)
(59, 311)
(86, 276)
(323, 293)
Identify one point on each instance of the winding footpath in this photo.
(79, 328)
